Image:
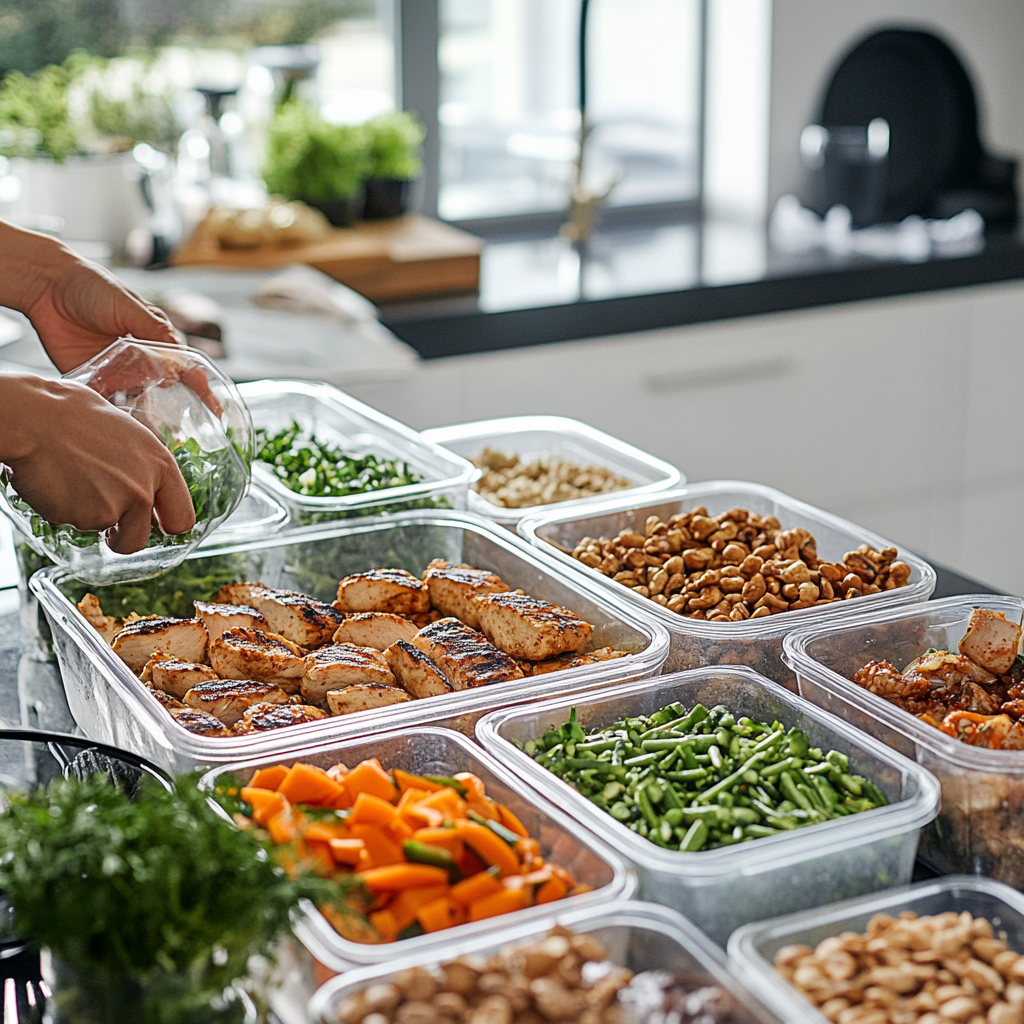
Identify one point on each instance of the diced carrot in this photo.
(504, 902)
(384, 921)
(446, 838)
(268, 778)
(469, 890)
(325, 831)
(469, 863)
(447, 801)
(399, 830)
(406, 781)
(338, 771)
(365, 861)
(511, 822)
(421, 816)
(438, 915)
(318, 855)
(403, 876)
(473, 785)
(342, 802)
(347, 851)
(380, 847)
(369, 777)
(553, 889)
(485, 808)
(527, 848)
(407, 903)
(492, 849)
(284, 827)
(412, 796)
(308, 784)
(265, 803)
(371, 810)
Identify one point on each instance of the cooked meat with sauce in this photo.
(228, 699)
(453, 589)
(219, 617)
(415, 672)
(263, 717)
(991, 641)
(136, 643)
(106, 625)
(296, 617)
(253, 654)
(571, 660)
(364, 697)
(375, 629)
(529, 628)
(383, 590)
(465, 656)
(199, 722)
(174, 676)
(341, 665)
(165, 699)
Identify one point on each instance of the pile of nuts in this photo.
(945, 969)
(736, 566)
(513, 484)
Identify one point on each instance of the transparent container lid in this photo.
(198, 414)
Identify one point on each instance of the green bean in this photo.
(695, 838)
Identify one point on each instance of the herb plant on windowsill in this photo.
(395, 140)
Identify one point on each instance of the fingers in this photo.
(173, 504)
(131, 531)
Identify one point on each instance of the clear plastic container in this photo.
(752, 949)
(427, 751)
(755, 642)
(337, 419)
(640, 936)
(109, 703)
(980, 828)
(722, 889)
(532, 437)
(196, 411)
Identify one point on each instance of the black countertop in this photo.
(539, 290)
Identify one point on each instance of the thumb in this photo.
(147, 323)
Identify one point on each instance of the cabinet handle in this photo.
(698, 379)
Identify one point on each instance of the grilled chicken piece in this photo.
(173, 676)
(363, 697)
(465, 656)
(297, 617)
(991, 641)
(219, 617)
(426, 618)
(263, 717)
(136, 643)
(228, 699)
(199, 722)
(383, 590)
(375, 629)
(415, 672)
(169, 702)
(340, 665)
(238, 593)
(253, 654)
(106, 625)
(453, 589)
(571, 660)
(531, 628)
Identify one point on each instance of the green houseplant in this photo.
(394, 163)
(322, 164)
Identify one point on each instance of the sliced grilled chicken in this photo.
(106, 625)
(453, 589)
(199, 722)
(219, 617)
(465, 656)
(297, 617)
(426, 618)
(263, 717)
(383, 590)
(228, 699)
(169, 702)
(375, 629)
(531, 628)
(238, 593)
(363, 697)
(415, 672)
(570, 660)
(173, 676)
(137, 641)
(253, 654)
(340, 665)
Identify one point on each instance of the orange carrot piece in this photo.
(527, 848)
(438, 915)
(399, 830)
(369, 777)
(406, 781)
(384, 921)
(407, 903)
(395, 877)
(559, 872)
(421, 816)
(469, 864)
(553, 889)
(325, 831)
(283, 827)
(511, 822)
(380, 847)
(268, 778)
(446, 838)
(265, 803)
(318, 855)
(347, 851)
(473, 785)
(342, 802)
(490, 848)
(485, 808)
(307, 784)
(447, 801)
(371, 810)
(469, 890)
(504, 902)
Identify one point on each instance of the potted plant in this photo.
(394, 163)
(320, 163)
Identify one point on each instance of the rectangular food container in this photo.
(752, 949)
(427, 751)
(110, 704)
(336, 418)
(755, 642)
(532, 437)
(640, 936)
(981, 826)
(722, 889)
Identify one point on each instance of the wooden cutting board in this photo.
(409, 257)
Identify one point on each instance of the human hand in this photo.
(77, 459)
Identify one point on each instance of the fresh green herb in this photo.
(394, 143)
(34, 114)
(702, 780)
